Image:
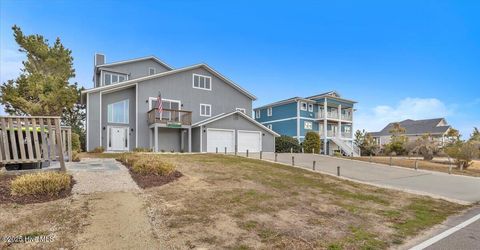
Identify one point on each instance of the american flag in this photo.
(159, 103)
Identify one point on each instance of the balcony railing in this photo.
(333, 114)
(346, 117)
(170, 116)
(346, 134)
(331, 133)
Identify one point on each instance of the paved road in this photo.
(436, 184)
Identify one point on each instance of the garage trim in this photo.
(251, 131)
(222, 129)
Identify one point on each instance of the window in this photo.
(310, 107)
(269, 111)
(118, 112)
(257, 113)
(303, 106)
(241, 109)
(205, 110)
(110, 78)
(152, 71)
(202, 82)
(307, 125)
(269, 126)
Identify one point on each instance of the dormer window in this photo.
(303, 106)
(310, 107)
(152, 71)
(111, 78)
(202, 82)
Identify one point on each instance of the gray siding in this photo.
(195, 139)
(113, 97)
(169, 139)
(237, 122)
(135, 69)
(223, 97)
(93, 126)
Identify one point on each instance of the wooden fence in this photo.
(32, 139)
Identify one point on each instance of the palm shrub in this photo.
(284, 143)
(312, 143)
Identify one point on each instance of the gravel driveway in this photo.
(100, 175)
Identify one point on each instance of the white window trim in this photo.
(241, 109)
(193, 82)
(310, 107)
(126, 112)
(269, 111)
(151, 99)
(102, 77)
(257, 113)
(128, 137)
(154, 70)
(309, 123)
(301, 106)
(269, 126)
(204, 104)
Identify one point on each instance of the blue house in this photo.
(327, 113)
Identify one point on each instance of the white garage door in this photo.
(251, 140)
(220, 138)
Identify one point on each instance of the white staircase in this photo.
(349, 151)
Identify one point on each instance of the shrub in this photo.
(75, 156)
(142, 150)
(100, 149)
(152, 165)
(47, 183)
(76, 142)
(312, 142)
(284, 143)
(463, 153)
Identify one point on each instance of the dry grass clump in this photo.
(47, 183)
(145, 164)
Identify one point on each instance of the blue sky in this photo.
(398, 59)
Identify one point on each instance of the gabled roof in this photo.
(171, 72)
(289, 100)
(137, 60)
(417, 127)
(331, 94)
(223, 115)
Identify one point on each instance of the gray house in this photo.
(436, 128)
(203, 111)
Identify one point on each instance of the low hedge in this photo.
(145, 164)
(46, 183)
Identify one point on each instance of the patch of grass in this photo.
(35, 234)
(267, 234)
(249, 225)
(334, 246)
(365, 239)
(45, 183)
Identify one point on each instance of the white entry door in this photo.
(219, 139)
(249, 140)
(117, 138)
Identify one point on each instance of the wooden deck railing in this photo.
(30, 139)
(170, 116)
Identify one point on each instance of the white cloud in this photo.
(409, 108)
(10, 64)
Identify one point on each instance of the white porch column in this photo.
(339, 129)
(156, 137)
(150, 138)
(189, 139)
(325, 127)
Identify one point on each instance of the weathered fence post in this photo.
(303, 150)
(225, 150)
(247, 153)
(338, 170)
(293, 160)
(260, 154)
(291, 150)
(390, 160)
(313, 166)
(416, 164)
(216, 150)
(450, 168)
(236, 150)
(276, 155)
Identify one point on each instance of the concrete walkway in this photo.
(460, 189)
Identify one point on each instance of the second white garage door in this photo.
(220, 138)
(251, 140)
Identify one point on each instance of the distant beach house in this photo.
(437, 128)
